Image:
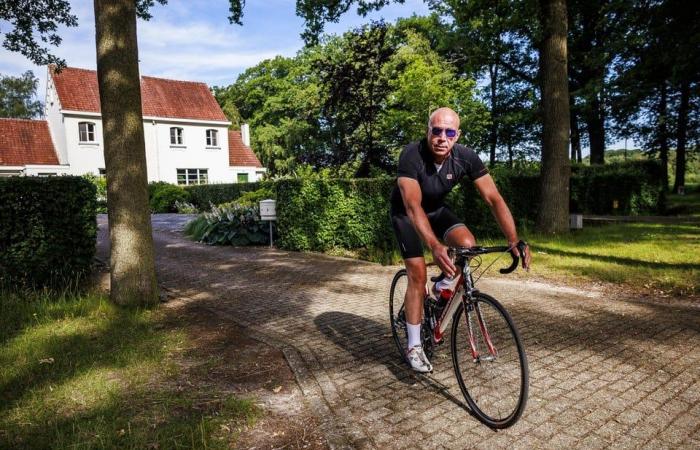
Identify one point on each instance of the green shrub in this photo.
(634, 187)
(101, 191)
(204, 195)
(47, 230)
(163, 196)
(253, 198)
(182, 207)
(229, 224)
(322, 214)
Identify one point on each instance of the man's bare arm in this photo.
(489, 192)
(412, 197)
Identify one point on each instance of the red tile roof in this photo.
(78, 91)
(179, 99)
(25, 142)
(240, 154)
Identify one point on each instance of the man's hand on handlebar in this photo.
(522, 250)
(443, 260)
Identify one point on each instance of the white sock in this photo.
(413, 335)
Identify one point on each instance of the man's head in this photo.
(443, 132)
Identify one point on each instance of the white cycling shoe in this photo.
(418, 361)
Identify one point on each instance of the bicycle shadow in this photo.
(369, 341)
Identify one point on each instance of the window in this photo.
(86, 130)
(242, 178)
(192, 176)
(176, 136)
(103, 172)
(212, 138)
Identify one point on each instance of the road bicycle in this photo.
(487, 352)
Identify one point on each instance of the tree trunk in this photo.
(575, 137)
(553, 214)
(595, 123)
(510, 153)
(663, 134)
(493, 138)
(132, 273)
(681, 137)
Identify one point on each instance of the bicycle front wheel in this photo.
(489, 361)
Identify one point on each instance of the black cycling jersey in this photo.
(416, 161)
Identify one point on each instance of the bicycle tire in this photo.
(498, 386)
(397, 314)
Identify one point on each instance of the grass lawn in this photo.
(79, 372)
(689, 203)
(661, 259)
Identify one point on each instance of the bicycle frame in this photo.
(465, 293)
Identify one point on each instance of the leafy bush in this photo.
(634, 187)
(183, 207)
(101, 194)
(253, 198)
(162, 197)
(47, 230)
(322, 214)
(229, 224)
(204, 195)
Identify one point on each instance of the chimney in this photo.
(245, 134)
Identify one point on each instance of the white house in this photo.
(186, 133)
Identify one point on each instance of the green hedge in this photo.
(321, 214)
(47, 230)
(162, 196)
(204, 195)
(634, 187)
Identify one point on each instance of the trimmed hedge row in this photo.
(630, 188)
(47, 230)
(204, 195)
(321, 214)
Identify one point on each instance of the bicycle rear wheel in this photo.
(397, 313)
(489, 361)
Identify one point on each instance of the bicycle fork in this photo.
(471, 307)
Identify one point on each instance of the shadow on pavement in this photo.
(367, 340)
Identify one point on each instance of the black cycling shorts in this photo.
(442, 221)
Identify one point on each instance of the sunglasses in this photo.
(449, 132)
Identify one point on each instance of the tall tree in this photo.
(553, 214)
(18, 96)
(132, 274)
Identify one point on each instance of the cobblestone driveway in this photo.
(604, 373)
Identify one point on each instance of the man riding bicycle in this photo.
(428, 170)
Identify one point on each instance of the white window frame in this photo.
(89, 132)
(212, 138)
(177, 137)
(187, 177)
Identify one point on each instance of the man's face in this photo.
(443, 124)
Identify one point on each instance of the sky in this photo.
(193, 40)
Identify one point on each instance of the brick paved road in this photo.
(603, 372)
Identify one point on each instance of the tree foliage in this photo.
(18, 96)
(351, 102)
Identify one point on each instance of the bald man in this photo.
(428, 170)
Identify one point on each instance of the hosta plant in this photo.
(229, 224)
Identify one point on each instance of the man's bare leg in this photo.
(415, 292)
